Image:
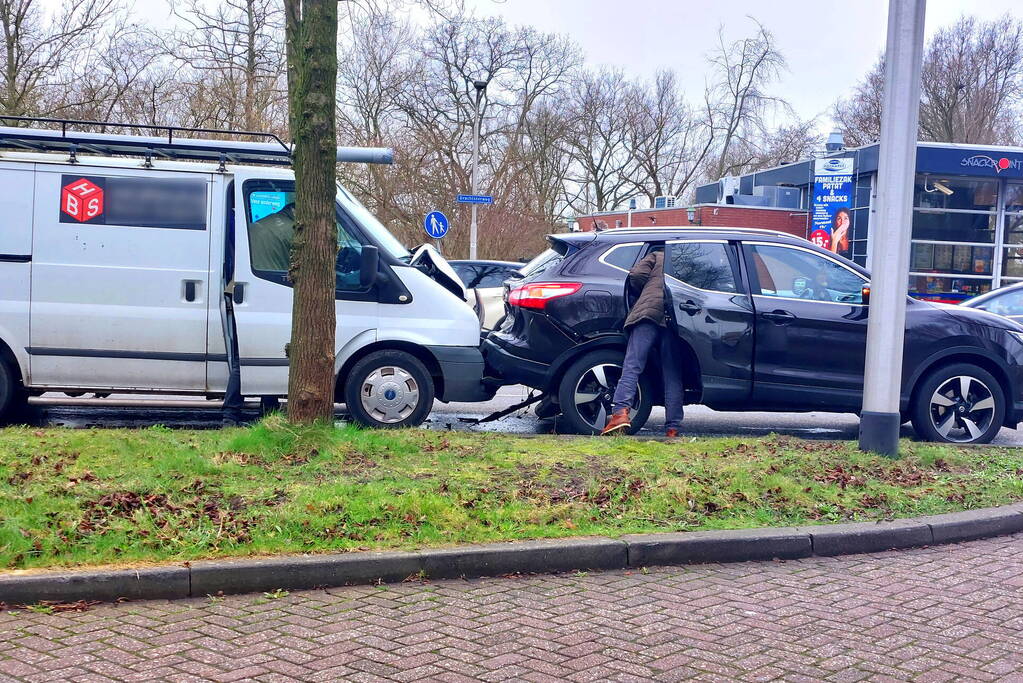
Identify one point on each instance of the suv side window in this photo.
(791, 273)
(622, 256)
(704, 265)
(270, 210)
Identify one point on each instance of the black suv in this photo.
(768, 322)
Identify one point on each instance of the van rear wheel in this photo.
(12, 396)
(388, 390)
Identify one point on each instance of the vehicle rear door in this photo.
(120, 279)
(811, 328)
(712, 313)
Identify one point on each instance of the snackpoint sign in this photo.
(999, 164)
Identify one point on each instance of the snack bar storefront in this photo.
(967, 213)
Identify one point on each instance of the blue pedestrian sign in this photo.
(436, 224)
(475, 199)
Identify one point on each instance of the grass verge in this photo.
(89, 497)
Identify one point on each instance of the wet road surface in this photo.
(699, 421)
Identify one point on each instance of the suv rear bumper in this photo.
(461, 369)
(512, 369)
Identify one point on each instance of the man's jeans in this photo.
(643, 337)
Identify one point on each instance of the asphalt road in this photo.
(134, 411)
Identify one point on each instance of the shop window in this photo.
(1012, 264)
(1014, 198)
(954, 227)
(861, 223)
(862, 192)
(860, 248)
(967, 194)
(1013, 228)
(951, 290)
(951, 258)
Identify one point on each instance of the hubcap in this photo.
(594, 391)
(390, 394)
(962, 409)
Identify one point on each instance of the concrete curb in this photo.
(209, 577)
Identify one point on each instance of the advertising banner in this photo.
(832, 204)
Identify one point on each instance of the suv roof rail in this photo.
(700, 228)
(166, 142)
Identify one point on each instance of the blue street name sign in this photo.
(435, 224)
(475, 199)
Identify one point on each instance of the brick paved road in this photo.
(944, 613)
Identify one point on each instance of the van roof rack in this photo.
(166, 142)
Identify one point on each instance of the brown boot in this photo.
(670, 433)
(618, 422)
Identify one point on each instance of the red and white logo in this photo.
(82, 200)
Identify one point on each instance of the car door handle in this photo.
(780, 317)
(690, 307)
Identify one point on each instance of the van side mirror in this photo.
(865, 294)
(368, 265)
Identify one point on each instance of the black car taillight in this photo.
(535, 295)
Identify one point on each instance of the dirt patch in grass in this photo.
(85, 497)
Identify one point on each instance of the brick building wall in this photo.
(792, 221)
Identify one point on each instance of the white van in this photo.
(127, 261)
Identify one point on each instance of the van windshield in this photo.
(370, 224)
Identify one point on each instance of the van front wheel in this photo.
(389, 389)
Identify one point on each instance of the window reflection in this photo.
(701, 264)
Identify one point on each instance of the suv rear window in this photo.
(622, 256)
(542, 263)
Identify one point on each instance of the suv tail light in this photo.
(537, 294)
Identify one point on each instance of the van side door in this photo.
(17, 182)
(712, 313)
(120, 279)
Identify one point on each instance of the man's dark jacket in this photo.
(646, 279)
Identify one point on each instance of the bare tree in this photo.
(972, 82)
(600, 139)
(232, 58)
(669, 140)
(859, 115)
(741, 72)
(42, 53)
(972, 87)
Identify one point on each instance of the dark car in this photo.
(1006, 301)
(768, 321)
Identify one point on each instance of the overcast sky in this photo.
(828, 45)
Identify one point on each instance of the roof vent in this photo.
(836, 142)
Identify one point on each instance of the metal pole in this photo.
(892, 220)
(480, 87)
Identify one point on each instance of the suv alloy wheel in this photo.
(586, 390)
(958, 403)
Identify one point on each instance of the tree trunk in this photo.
(312, 77)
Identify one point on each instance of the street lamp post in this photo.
(886, 328)
(481, 88)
